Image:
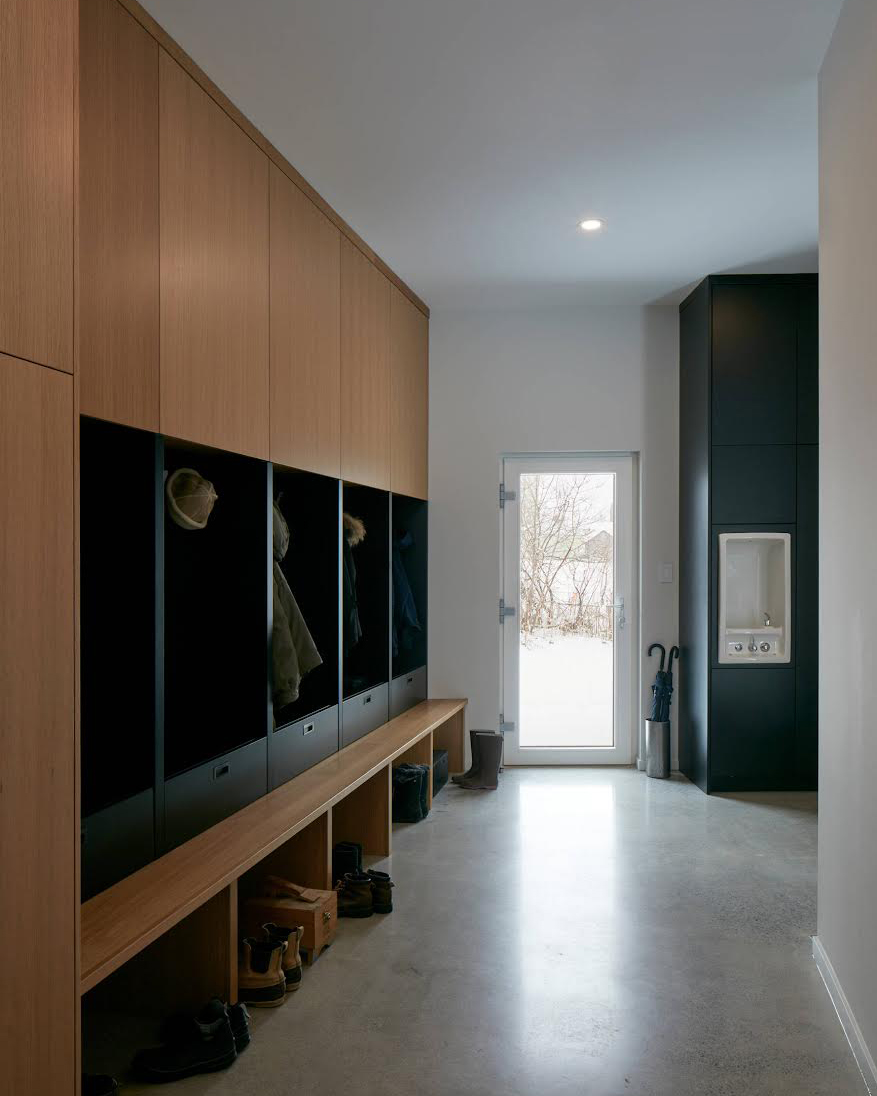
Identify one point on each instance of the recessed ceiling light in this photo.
(592, 224)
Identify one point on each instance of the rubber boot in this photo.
(346, 857)
(458, 778)
(291, 963)
(261, 980)
(489, 761)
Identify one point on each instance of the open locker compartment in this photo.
(409, 583)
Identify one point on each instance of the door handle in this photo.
(221, 770)
(620, 618)
(308, 728)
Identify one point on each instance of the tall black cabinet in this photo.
(748, 463)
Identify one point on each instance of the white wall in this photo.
(847, 912)
(567, 381)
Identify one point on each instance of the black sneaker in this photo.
(98, 1084)
(239, 1019)
(201, 1044)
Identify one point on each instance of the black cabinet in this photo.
(409, 602)
(748, 462)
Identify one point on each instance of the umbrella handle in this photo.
(674, 653)
(660, 647)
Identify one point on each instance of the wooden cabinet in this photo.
(365, 370)
(409, 397)
(118, 217)
(37, 61)
(38, 899)
(305, 410)
(214, 271)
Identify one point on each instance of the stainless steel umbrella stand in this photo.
(656, 747)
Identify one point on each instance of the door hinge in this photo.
(505, 610)
(505, 728)
(505, 496)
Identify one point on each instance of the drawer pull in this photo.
(367, 699)
(308, 728)
(409, 680)
(221, 770)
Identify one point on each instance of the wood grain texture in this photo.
(409, 398)
(451, 736)
(214, 272)
(118, 217)
(39, 829)
(305, 332)
(123, 920)
(366, 815)
(365, 370)
(305, 859)
(37, 107)
(273, 154)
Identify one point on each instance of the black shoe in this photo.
(382, 891)
(205, 1045)
(183, 1027)
(346, 860)
(98, 1084)
(239, 1019)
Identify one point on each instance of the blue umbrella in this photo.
(662, 689)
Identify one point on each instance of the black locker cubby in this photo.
(217, 620)
(408, 637)
(306, 730)
(120, 534)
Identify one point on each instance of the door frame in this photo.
(627, 700)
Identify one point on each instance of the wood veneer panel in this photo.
(365, 815)
(451, 736)
(39, 825)
(365, 370)
(305, 332)
(123, 920)
(214, 272)
(409, 397)
(118, 217)
(37, 75)
(273, 154)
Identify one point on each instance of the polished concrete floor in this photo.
(580, 931)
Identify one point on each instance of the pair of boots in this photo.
(204, 1043)
(410, 792)
(483, 774)
(360, 894)
(270, 967)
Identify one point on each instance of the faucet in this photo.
(766, 619)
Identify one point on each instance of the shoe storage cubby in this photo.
(208, 676)
(365, 611)
(306, 725)
(410, 532)
(120, 548)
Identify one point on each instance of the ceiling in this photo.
(464, 139)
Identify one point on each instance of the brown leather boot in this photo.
(355, 895)
(382, 891)
(291, 963)
(261, 980)
(489, 761)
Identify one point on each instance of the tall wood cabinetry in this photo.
(409, 397)
(748, 464)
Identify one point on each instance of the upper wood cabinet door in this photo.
(214, 272)
(38, 820)
(305, 332)
(409, 397)
(37, 70)
(118, 217)
(365, 370)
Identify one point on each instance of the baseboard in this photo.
(847, 1020)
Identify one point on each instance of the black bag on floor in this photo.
(406, 794)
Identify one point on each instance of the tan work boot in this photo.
(261, 980)
(292, 956)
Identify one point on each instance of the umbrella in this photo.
(662, 689)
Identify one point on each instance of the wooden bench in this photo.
(182, 908)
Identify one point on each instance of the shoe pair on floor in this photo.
(360, 893)
(270, 967)
(410, 792)
(205, 1043)
(483, 774)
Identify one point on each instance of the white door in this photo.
(568, 610)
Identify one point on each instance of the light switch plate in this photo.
(665, 572)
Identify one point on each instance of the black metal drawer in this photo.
(364, 712)
(407, 690)
(298, 746)
(117, 841)
(198, 799)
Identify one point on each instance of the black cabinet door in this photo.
(754, 352)
(752, 728)
(808, 365)
(754, 484)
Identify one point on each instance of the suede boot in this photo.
(382, 891)
(346, 857)
(261, 980)
(458, 778)
(489, 760)
(291, 963)
(355, 896)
